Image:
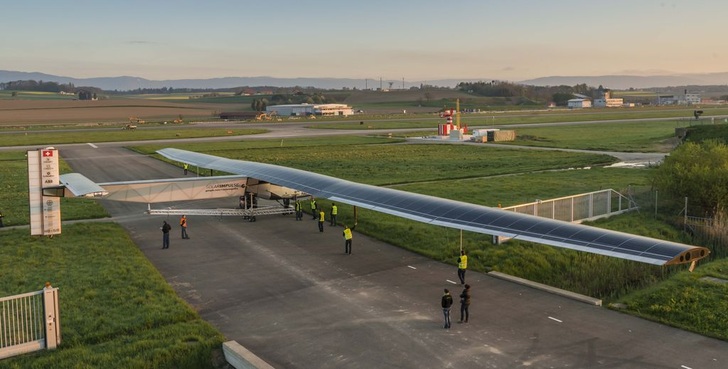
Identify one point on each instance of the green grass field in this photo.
(103, 276)
(117, 311)
(652, 136)
(116, 135)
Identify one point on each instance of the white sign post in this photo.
(45, 211)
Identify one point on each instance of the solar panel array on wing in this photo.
(450, 213)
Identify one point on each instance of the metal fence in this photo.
(576, 208)
(29, 322)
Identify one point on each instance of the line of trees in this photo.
(31, 85)
(298, 97)
(557, 94)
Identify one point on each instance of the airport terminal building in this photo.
(310, 109)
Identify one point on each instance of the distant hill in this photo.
(126, 83)
(623, 82)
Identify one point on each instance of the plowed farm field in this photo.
(25, 112)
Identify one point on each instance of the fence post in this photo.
(685, 217)
(52, 325)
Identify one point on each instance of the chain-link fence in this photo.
(710, 229)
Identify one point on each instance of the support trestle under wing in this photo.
(157, 190)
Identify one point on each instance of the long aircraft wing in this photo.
(155, 190)
(455, 214)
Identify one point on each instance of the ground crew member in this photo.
(299, 210)
(186, 167)
(462, 266)
(465, 304)
(165, 234)
(334, 212)
(1, 219)
(313, 208)
(446, 303)
(322, 218)
(183, 225)
(347, 238)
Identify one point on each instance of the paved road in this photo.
(291, 295)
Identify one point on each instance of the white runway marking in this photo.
(685, 367)
(92, 145)
(411, 267)
(453, 282)
(554, 319)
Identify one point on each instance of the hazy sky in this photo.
(392, 39)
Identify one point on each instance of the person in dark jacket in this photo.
(165, 234)
(446, 303)
(464, 304)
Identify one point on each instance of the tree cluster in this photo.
(31, 85)
(556, 94)
(297, 97)
(698, 171)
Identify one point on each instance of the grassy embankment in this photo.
(673, 117)
(117, 135)
(116, 309)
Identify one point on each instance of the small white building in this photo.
(579, 103)
(692, 99)
(310, 109)
(288, 110)
(333, 109)
(607, 101)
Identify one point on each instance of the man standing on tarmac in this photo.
(462, 266)
(446, 303)
(299, 210)
(322, 219)
(183, 225)
(347, 238)
(313, 208)
(334, 212)
(165, 234)
(465, 304)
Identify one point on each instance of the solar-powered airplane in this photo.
(281, 183)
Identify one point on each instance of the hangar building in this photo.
(310, 109)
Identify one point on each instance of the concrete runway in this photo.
(289, 294)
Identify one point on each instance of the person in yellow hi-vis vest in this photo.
(347, 238)
(313, 208)
(322, 219)
(462, 266)
(334, 213)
